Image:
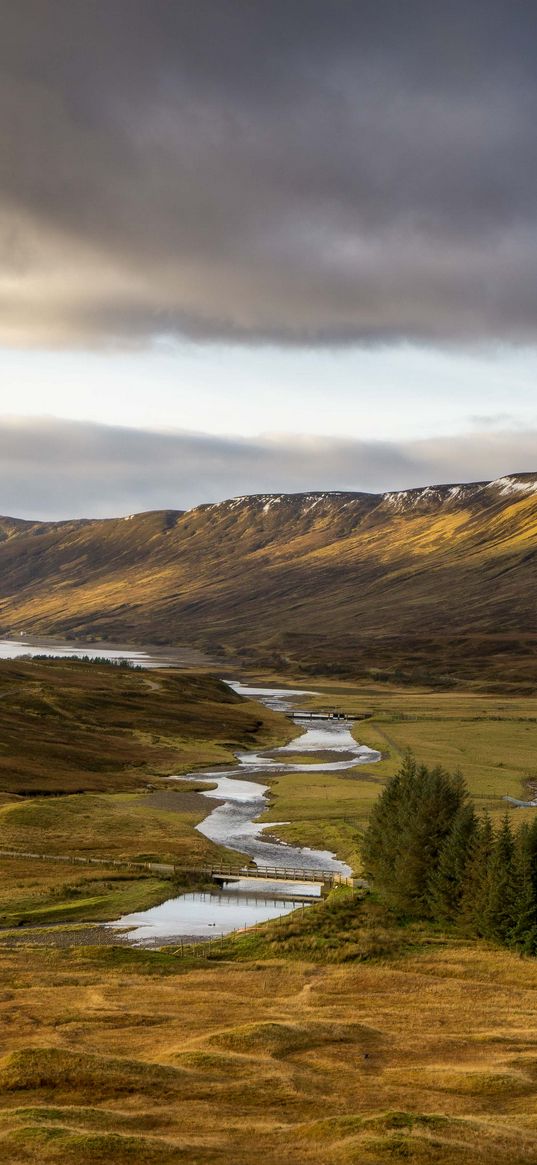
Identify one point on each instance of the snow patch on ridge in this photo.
(398, 501)
(512, 484)
(440, 495)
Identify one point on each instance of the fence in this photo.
(216, 870)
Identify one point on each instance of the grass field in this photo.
(331, 1037)
(43, 893)
(120, 826)
(422, 1049)
(492, 739)
(80, 746)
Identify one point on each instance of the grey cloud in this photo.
(52, 469)
(308, 172)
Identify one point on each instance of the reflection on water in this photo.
(276, 888)
(202, 915)
(14, 648)
(234, 824)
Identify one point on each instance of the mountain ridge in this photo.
(507, 484)
(305, 579)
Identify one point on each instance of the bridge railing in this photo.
(337, 716)
(215, 869)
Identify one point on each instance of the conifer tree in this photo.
(447, 882)
(430, 856)
(523, 934)
(502, 889)
(407, 828)
(381, 841)
(473, 899)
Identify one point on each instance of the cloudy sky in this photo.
(251, 246)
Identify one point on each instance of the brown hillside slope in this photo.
(296, 572)
(69, 727)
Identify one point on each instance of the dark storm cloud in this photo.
(298, 171)
(53, 468)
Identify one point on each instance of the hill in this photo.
(70, 727)
(430, 583)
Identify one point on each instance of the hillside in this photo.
(439, 578)
(71, 727)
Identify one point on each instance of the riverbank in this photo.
(82, 744)
(493, 740)
(232, 824)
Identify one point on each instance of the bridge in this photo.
(221, 872)
(329, 715)
(217, 871)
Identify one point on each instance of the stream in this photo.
(234, 823)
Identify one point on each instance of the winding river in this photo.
(234, 823)
(242, 800)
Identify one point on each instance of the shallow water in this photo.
(203, 915)
(240, 903)
(14, 648)
(157, 657)
(234, 824)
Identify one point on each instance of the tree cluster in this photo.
(430, 856)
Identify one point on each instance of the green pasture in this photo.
(491, 739)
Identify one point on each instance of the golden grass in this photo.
(130, 1056)
(113, 825)
(327, 1038)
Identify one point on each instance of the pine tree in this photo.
(447, 882)
(523, 934)
(381, 840)
(407, 828)
(502, 889)
(474, 893)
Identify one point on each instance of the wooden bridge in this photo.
(220, 873)
(323, 714)
(217, 871)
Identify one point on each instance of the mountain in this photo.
(440, 578)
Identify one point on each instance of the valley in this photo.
(433, 585)
(268, 583)
(113, 1053)
(88, 750)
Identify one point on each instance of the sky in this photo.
(263, 247)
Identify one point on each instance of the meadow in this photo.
(492, 739)
(176, 722)
(334, 1036)
(70, 726)
(85, 750)
(418, 1047)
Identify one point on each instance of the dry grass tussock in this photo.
(123, 1056)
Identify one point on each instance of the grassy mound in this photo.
(60, 1072)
